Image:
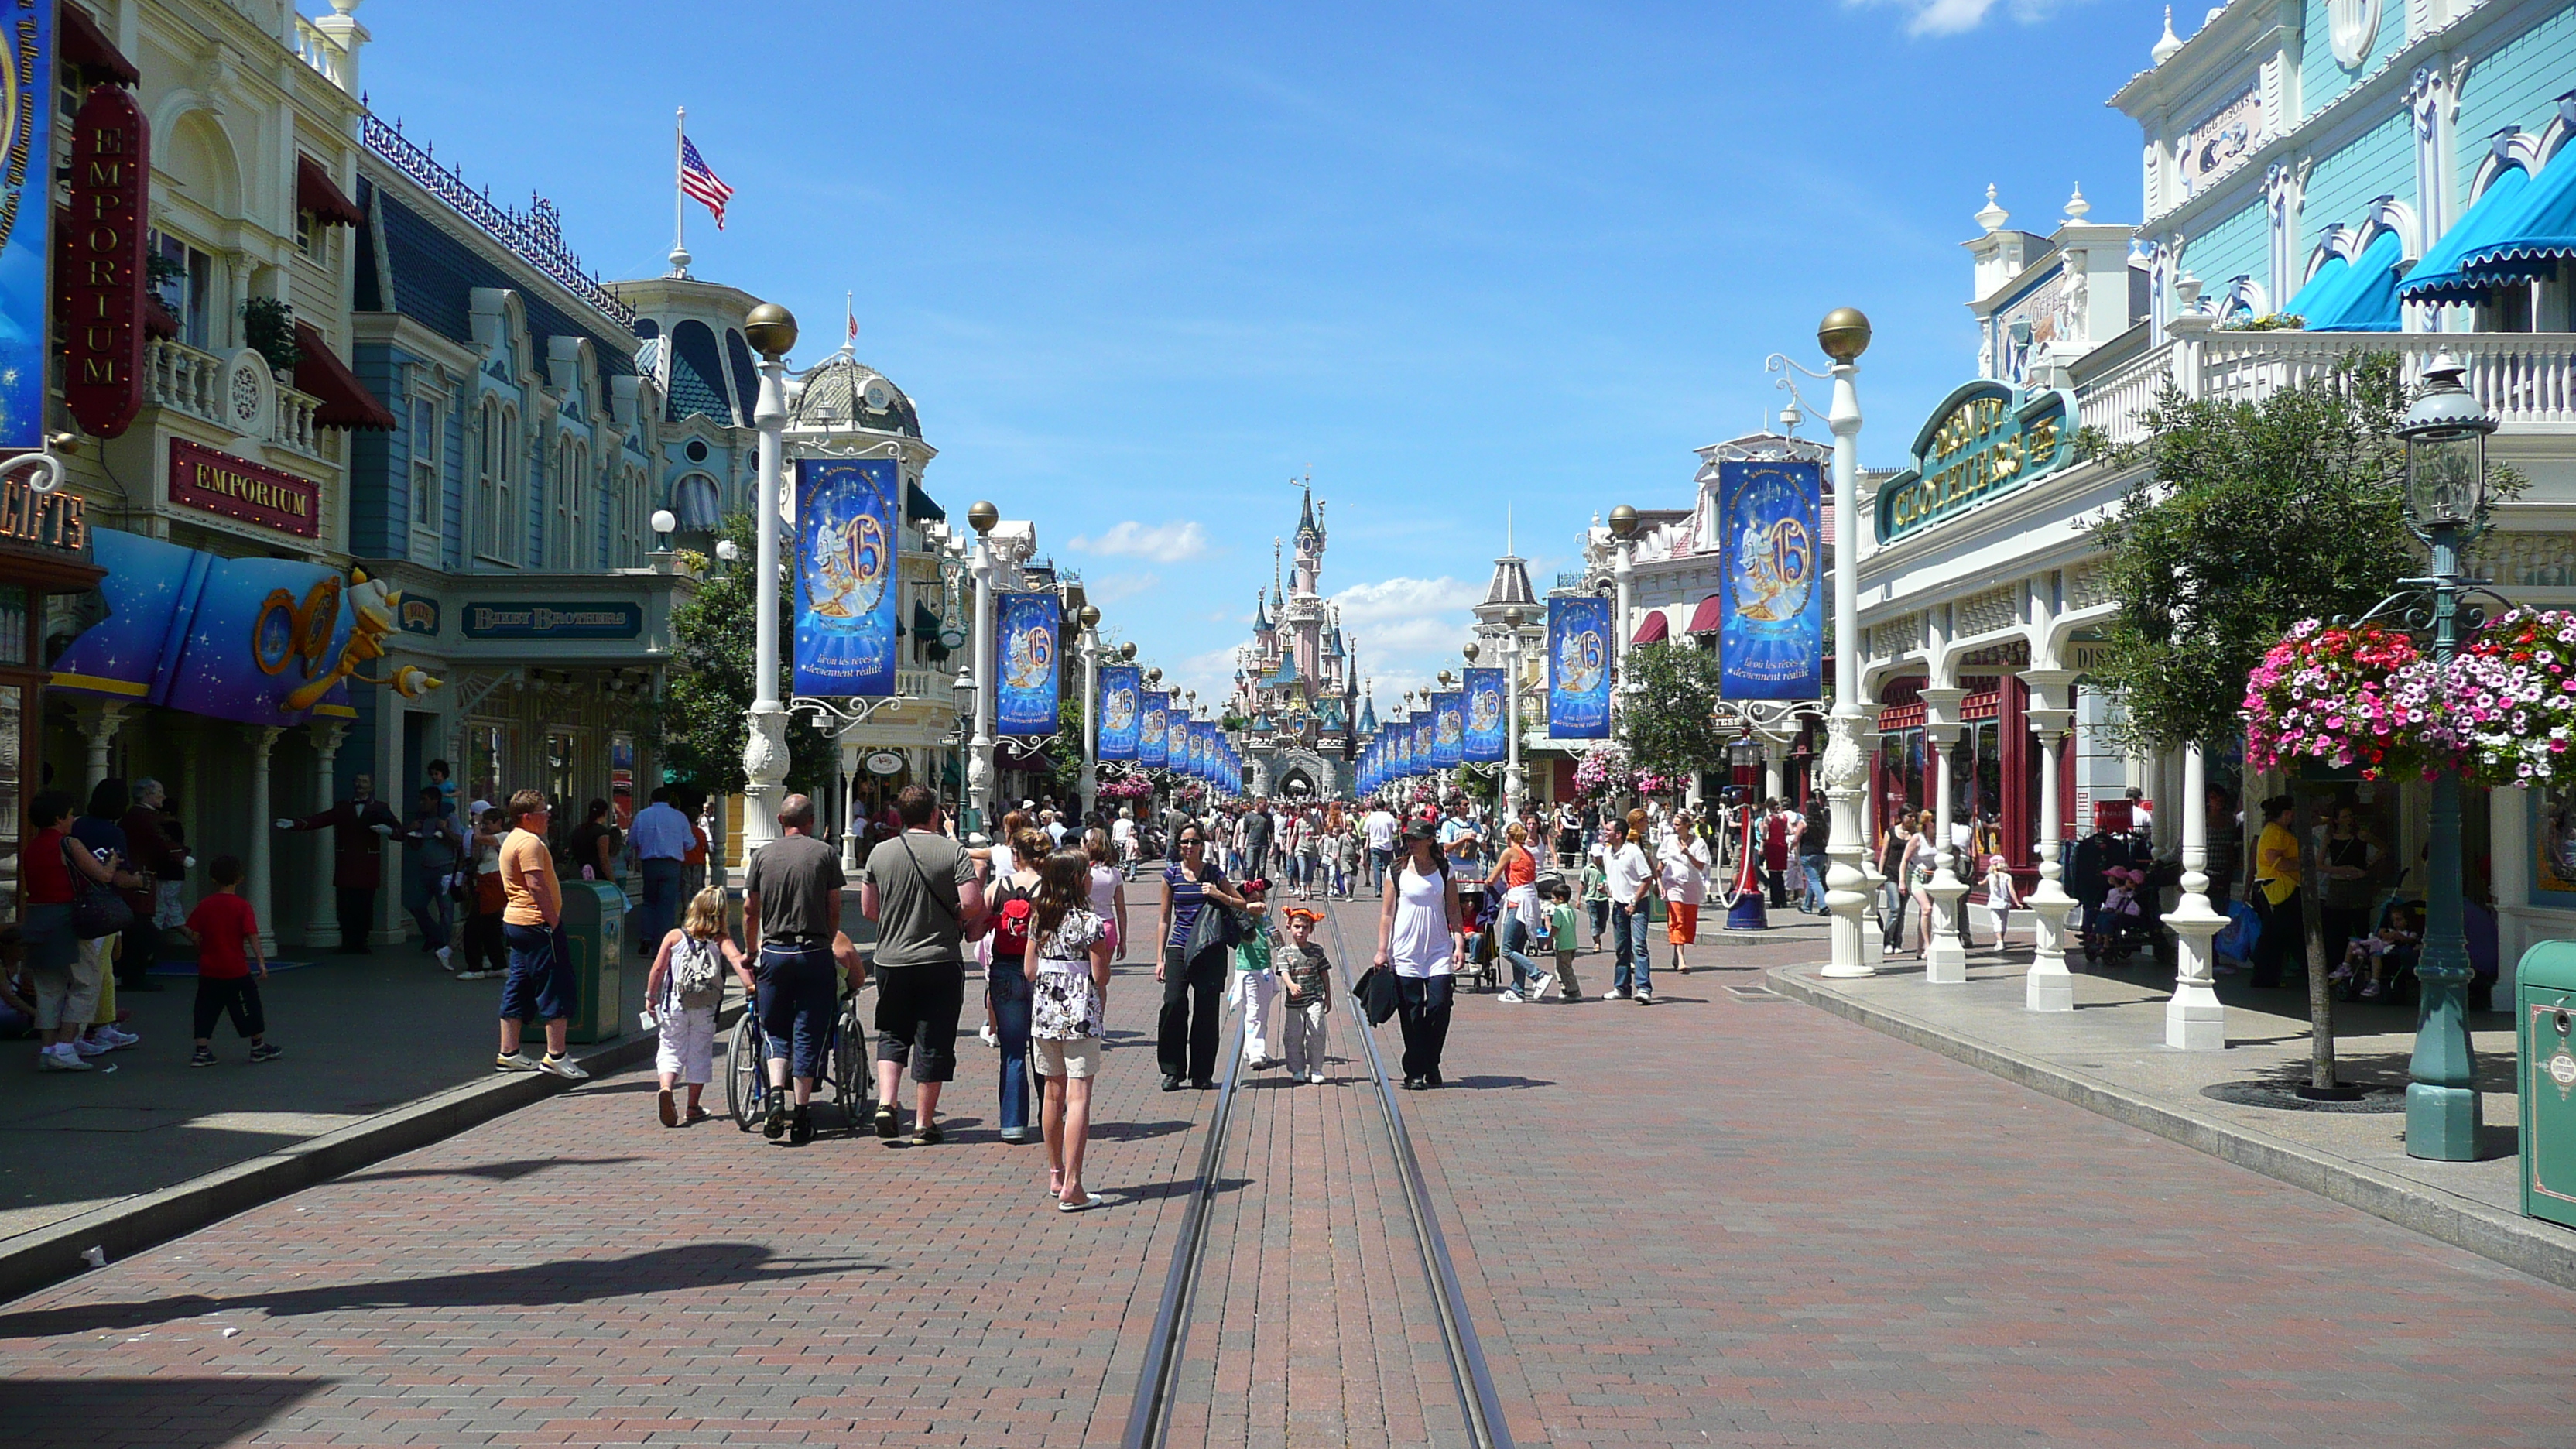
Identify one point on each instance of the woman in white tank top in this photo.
(1420, 937)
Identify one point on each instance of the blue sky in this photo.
(1141, 264)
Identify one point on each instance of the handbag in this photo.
(99, 910)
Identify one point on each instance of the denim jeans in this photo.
(1007, 991)
(1632, 947)
(1515, 936)
(1816, 866)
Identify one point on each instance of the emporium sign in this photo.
(200, 477)
(103, 272)
(1986, 438)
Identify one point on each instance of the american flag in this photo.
(698, 181)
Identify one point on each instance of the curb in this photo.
(50, 1254)
(2502, 1237)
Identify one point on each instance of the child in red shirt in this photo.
(226, 931)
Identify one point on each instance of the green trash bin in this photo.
(594, 925)
(2545, 1032)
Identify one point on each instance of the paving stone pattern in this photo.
(1738, 1221)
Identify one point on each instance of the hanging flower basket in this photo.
(2512, 691)
(2362, 697)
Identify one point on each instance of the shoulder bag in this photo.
(97, 909)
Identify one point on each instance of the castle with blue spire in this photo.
(1296, 682)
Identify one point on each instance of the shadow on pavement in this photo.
(536, 1285)
(183, 1412)
(510, 1171)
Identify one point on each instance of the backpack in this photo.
(697, 973)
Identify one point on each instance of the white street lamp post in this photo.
(772, 330)
(979, 746)
(1844, 337)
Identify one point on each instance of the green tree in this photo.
(699, 727)
(1667, 710)
(2245, 519)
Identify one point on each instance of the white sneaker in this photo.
(1509, 997)
(61, 1058)
(564, 1067)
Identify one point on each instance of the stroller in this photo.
(2121, 925)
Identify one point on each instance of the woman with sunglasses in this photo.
(1193, 983)
(1421, 936)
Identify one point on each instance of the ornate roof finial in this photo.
(2166, 47)
(1992, 217)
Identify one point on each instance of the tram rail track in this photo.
(1150, 1415)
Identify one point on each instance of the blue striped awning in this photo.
(2355, 296)
(2443, 276)
(2538, 233)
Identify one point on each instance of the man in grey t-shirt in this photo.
(927, 898)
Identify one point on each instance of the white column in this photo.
(1945, 961)
(322, 927)
(1850, 884)
(263, 738)
(764, 746)
(98, 724)
(2050, 986)
(2195, 1019)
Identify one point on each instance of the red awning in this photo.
(315, 192)
(1704, 618)
(1654, 630)
(346, 403)
(85, 45)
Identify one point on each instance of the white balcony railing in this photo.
(2523, 379)
(179, 376)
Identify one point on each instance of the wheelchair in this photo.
(848, 1075)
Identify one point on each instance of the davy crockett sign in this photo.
(1985, 438)
(200, 477)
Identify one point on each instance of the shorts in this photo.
(539, 986)
(1681, 922)
(1079, 1057)
(917, 1009)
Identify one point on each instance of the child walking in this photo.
(226, 931)
(686, 984)
(1560, 926)
(1306, 982)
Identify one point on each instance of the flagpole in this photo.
(679, 198)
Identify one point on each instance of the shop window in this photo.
(184, 278)
(425, 458)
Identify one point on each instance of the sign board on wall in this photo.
(1983, 440)
(237, 488)
(102, 277)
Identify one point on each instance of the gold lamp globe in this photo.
(1844, 334)
(982, 515)
(1623, 521)
(770, 329)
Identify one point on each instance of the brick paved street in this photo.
(1723, 1220)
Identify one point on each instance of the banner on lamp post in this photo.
(846, 517)
(1024, 654)
(1121, 708)
(1578, 667)
(1484, 742)
(1771, 608)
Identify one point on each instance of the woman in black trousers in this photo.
(1193, 984)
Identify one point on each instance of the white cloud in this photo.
(1162, 543)
(1951, 17)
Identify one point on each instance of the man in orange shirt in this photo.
(540, 984)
